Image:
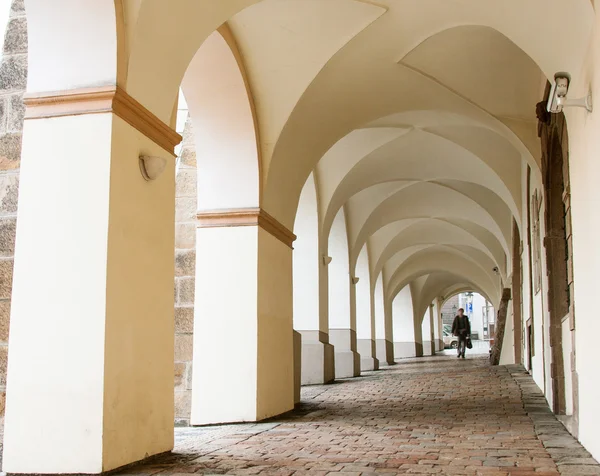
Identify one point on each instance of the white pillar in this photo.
(317, 353)
(383, 323)
(243, 365)
(437, 319)
(426, 330)
(342, 327)
(432, 328)
(418, 332)
(90, 374)
(365, 323)
(402, 318)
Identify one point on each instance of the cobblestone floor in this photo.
(432, 415)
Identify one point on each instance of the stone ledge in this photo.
(567, 453)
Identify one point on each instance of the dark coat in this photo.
(461, 326)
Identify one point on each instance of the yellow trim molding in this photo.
(246, 217)
(102, 100)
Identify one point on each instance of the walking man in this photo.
(461, 328)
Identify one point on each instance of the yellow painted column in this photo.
(90, 373)
(243, 367)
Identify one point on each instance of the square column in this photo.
(318, 358)
(347, 359)
(297, 366)
(90, 373)
(418, 333)
(243, 365)
(367, 351)
(382, 310)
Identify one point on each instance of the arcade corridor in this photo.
(206, 205)
(414, 417)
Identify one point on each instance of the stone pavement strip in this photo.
(431, 415)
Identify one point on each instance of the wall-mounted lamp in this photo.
(327, 260)
(355, 280)
(558, 95)
(151, 166)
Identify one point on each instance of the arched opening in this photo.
(235, 240)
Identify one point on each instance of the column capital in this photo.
(246, 217)
(104, 99)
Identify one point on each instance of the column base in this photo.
(439, 345)
(318, 363)
(368, 364)
(347, 360)
(404, 350)
(347, 364)
(418, 349)
(297, 365)
(366, 349)
(428, 347)
(385, 352)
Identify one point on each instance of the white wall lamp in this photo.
(326, 260)
(355, 280)
(558, 95)
(151, 166)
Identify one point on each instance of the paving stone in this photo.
(412, 418)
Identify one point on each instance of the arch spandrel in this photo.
(74, 46)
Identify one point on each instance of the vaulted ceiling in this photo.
(416, 116)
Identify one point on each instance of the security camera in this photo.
(495, 269)
(558, 95)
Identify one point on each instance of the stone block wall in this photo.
(13, 81)
(185, 267)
